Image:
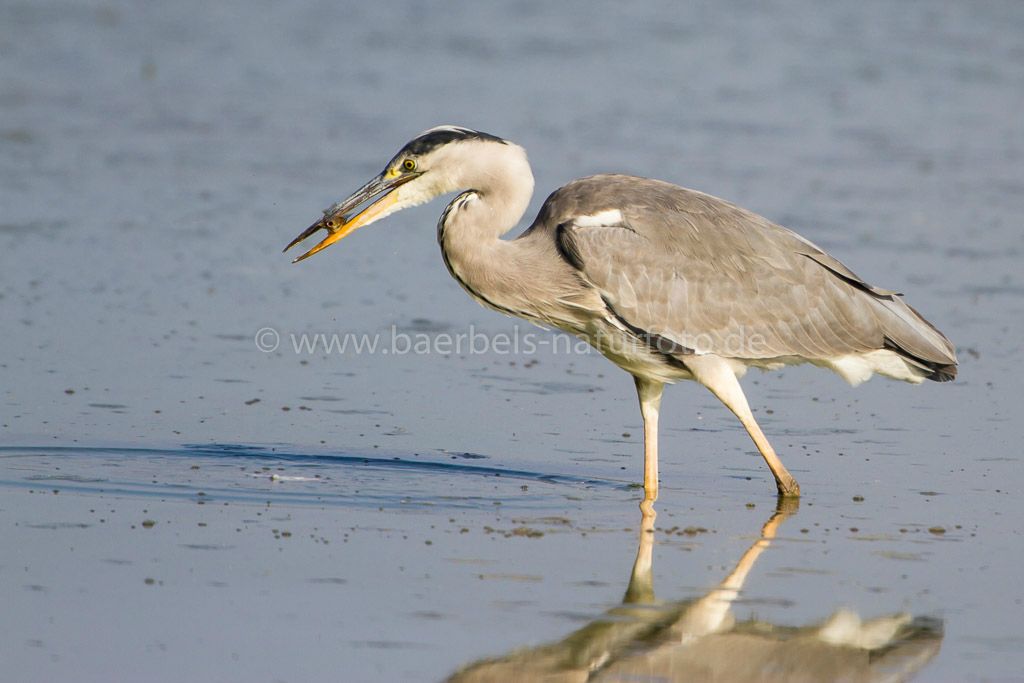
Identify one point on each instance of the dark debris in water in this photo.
(684, 531)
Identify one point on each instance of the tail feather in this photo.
(905, 331)
(919, 342)
(938, 372)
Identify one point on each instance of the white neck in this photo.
(498, 184)
(499, 174)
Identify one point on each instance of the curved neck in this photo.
(498, 184)
(524, 277)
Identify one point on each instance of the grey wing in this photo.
(714, 278)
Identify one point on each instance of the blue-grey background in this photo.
(154, 159)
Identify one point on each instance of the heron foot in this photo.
(788, 488)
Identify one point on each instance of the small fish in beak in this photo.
(339, 221)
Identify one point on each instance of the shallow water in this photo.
(399, 515)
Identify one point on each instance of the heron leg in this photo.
(718, 376)
(649, 392)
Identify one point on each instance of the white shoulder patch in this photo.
(606, 218)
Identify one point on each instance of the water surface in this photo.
(183, 498)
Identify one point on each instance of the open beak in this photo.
(339, 220)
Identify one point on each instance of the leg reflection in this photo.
(699, 639)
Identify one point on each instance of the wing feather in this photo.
(711, 276)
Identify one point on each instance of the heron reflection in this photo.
(700, 640)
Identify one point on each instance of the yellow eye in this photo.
(408, 165)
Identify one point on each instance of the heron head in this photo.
(431, 164)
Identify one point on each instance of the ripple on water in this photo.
(225, 472)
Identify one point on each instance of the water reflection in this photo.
(699, 640)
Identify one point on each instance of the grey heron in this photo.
(668, 283)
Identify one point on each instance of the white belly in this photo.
(636, 357)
